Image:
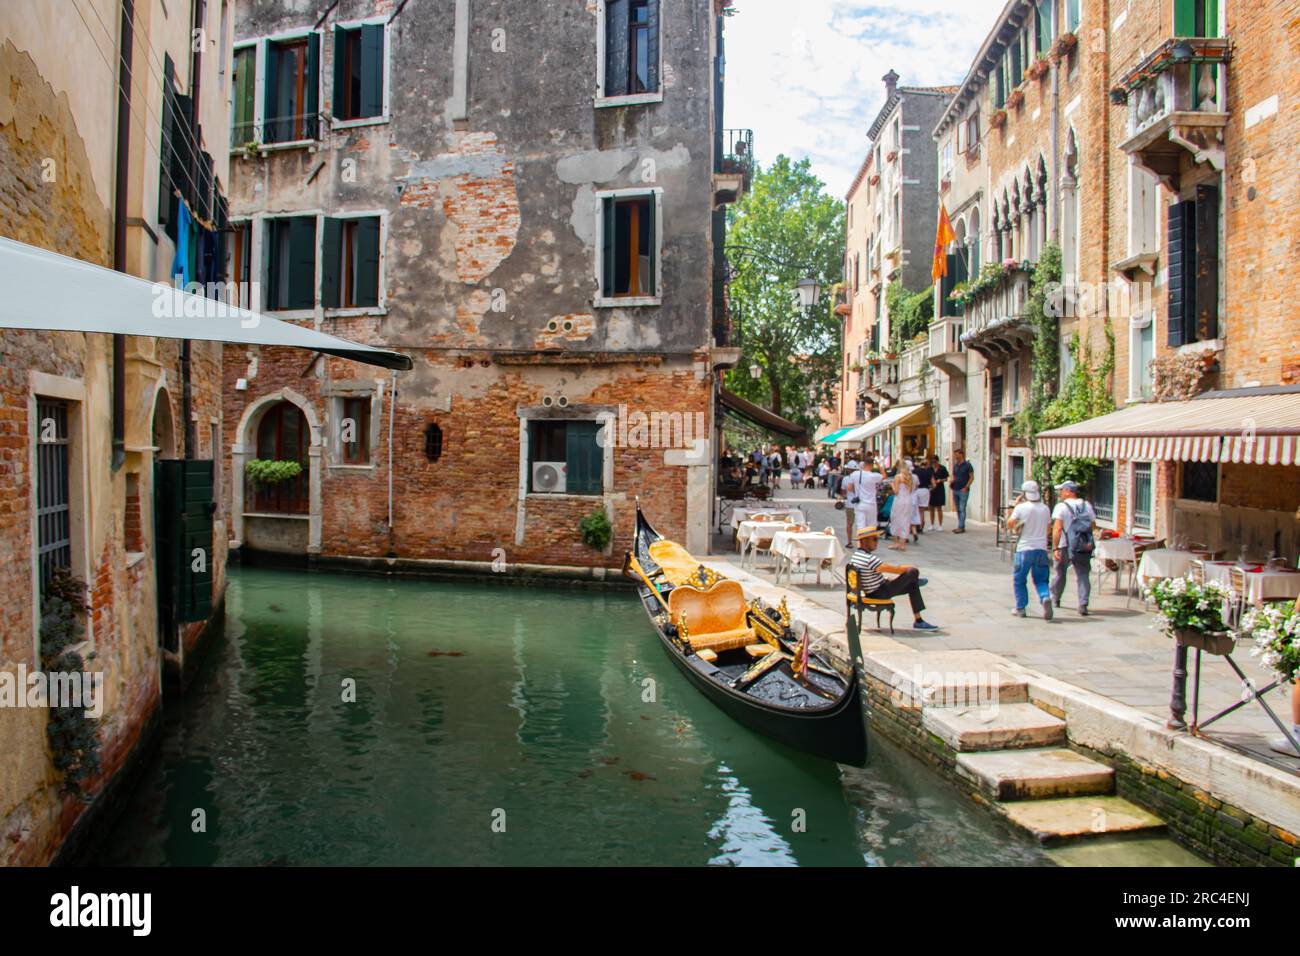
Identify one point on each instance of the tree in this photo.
(785, 227)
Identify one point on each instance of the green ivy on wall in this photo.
(909, 314)
(74, 744)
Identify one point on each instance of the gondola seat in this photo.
(716, 619)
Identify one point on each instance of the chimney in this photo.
(891, 84)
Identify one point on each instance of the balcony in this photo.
(947, 353)
(1176, 106)
(882, 380)
(912, 362)
(994, 324)
(734, 168)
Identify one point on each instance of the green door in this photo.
(183, 509)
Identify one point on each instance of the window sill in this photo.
(350, 466)
(629, 301)
(355, 311)
(633, 99)
(290, 515)
(563, 496)
(291, 315)
(336, 123)
(275, 147)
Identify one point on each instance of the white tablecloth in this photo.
(749, 529)
(744, 514)
(1261, 586)
(1164, 563)
(815, 546)
(1115, 549)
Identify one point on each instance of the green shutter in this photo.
(583, 458)
(1179, 255)
(330, 280)
(1205, 315)
(652, 210)
(607, 248)
(274, 128)
(617, 68)
(312, 84)
(196, 522)
(302, 262)
(245, 93)
(652, 46)
(367, 257)
(372, 69)
(340, 78)
(1185, 18)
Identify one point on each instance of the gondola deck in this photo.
(819, 713)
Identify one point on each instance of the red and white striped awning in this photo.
(1259, 429)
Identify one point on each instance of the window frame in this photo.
(603, 416)
(1201, 502)
(600, 100)
(1114, 485)
(263, 256)
(1151, 504)
(1137, 324)
(602, 299)
(381, 303)
(340, 394)
(262, 45)
(385, 116)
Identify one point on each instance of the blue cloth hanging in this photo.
(181, 261)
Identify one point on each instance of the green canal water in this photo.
(551, 714)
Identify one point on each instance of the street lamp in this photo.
(809, 290)
(756, 371)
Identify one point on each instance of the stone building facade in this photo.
(520, 196)
(77, 478)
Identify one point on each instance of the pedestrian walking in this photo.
(938, 493)
(903, 509)
(1031, 519)
(1073, 524)
(924, 476)
(861, 490)
(963, 477)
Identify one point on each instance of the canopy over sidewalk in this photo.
(47, 292)
(757, 415)
(886, 420)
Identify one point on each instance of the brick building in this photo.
(890, 215)
(86, 174)
(524, 198)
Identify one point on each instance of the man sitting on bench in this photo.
(872, 571)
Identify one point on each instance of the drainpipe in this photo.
(121, 191)
(392, 413)
(1054, 213)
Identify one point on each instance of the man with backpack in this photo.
(1073, 524)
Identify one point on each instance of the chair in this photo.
(714, 620)
(1237, 598)
(1197, 572)
(858, 600)
(760, 540)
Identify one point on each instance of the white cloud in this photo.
(805, 75)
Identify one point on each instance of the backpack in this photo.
(1078, 533)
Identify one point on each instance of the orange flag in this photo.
(942, 237)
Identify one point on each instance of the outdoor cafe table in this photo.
(816, 546)
(748, 532)
(1164, 563)
(744, 514)
(1269, 584)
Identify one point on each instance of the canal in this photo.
(498, 725)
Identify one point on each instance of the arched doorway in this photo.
(283, 435)
(163, 431)
(283, 516)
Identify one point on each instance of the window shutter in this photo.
(652, 45)
(651, 254)
(1179, 253)
(367, 291)
(196, 533)
(607, 248)
(616, 51)
(274, 126)
(166, 201)
(330, 280)
(245, 87)
(311, 82)
(1205, 282)
(340, 103)
(1185, 18)
(583, 459)
(372, 69)
(302, 268)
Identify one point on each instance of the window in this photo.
(995, 397)
(945, 162)
(53, 489)
(291, 262)
(631, 49)
(283, 435)
(1142, 345)
(630, 239)
(897, 225)
(1045, 31)
(359, 72)
(1200, 481)
(973, 131)
(350, 263)
(1103, 491)
(354, 429)
(1013, 398)
(1015, 474)
(1071, 15)
(241, 264)
(571, 443)
(291, 94)
(1142, 495)
(998, 88)
(244, 83)
(1193, 270)
(433, 442)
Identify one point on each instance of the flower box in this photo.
(1016, 99)
(1063, 45)
(1038, 69)
(891, 155)
(998, 119)
(875, 178)
(1211, 642)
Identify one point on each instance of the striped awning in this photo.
(1259, 429)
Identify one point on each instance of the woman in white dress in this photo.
(900, 514)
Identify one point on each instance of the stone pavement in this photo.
(1114, 652)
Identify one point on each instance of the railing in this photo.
(722, 334)
(737, 153)
(1005, 302)
(1181, 76)
(945, 335)
(277, 129)
(884, 373)
(284, 497)
(912, 361)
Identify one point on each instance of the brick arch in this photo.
(246, 445)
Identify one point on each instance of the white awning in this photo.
(895, 416)
(1260, 428)
(47, 292)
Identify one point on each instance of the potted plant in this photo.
(267, 471)
(596, 530)
(1064, 44)
(875, 178)
(1192, 614)
(1016, 98)
(998, 119)
(1275, 629)
(1038, 69)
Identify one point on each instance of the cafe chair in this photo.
(1237, 599)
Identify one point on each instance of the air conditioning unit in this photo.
(549, 476)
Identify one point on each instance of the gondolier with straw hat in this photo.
(871, 573)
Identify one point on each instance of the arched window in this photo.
(433, 442)
(1070, 209)
(973, 237)
(283, 435)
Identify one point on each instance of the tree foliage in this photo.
(785, 226)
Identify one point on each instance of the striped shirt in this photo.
(868, 566)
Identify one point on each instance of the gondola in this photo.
(744, 656)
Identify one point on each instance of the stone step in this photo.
(1069, 818)
(1035, 774)
(971, 679)
(996, 727)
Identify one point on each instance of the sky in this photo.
(805, 75)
